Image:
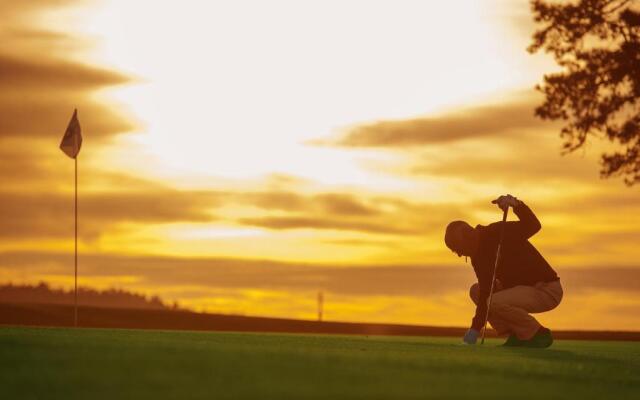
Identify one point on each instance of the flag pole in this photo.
(75, 313)
(70, 145)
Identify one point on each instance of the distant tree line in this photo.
(115, 298)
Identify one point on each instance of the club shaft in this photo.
(495, 269)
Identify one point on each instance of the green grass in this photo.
(40, 363)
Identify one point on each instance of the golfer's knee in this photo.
(474, 293)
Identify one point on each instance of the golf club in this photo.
(495, 268)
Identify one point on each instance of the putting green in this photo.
(43, 363)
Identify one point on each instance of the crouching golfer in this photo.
(525, 282)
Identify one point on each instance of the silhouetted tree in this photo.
(597, 44)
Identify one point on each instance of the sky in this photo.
(241, 156)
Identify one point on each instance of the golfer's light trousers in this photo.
(510, 308)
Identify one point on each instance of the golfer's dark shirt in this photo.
(520, 263)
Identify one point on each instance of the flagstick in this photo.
(75, 314)
(72, 149)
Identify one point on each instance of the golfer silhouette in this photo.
(524, 281)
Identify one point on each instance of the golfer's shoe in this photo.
(513, 341)
(541, 339)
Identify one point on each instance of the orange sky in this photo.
(240, 156)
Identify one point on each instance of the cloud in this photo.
(345, 212)
(344, 204)
(16, 168)
(229, 273)
(475, 122)
(393, 293)
(625, 201)
(512, 168)
(280, 223)
(40, 86)
(329, 203)
(24, 116)
(246, 273)
(275, 200)
(18, 75)
(109, 198)
(33, 164)
(363, 243)
(36, 200)
(33, 204)
(509, 162)
(46, 215)
(516, 156)
(21, 8)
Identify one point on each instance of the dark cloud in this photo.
(25, 7)
(31, 189)
(33, 164)
(15, 168)
(27, 43)
(40, 86)
(27, 115)
(344, 204)
(623, 280)
(601, 245)
(39, 89)
(481, 121)
(516, 165)
(33, 205)
(615, 201)
(617, 205)
(336, 211)
(45, 215)
(229, 273)
(19, 75)
(329, 203)
(363, 243)
(275, 200)
(511, 168)
(281, 223)
(247, 273)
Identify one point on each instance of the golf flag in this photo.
(70, 145)
(72, 139)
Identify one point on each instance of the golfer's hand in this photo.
(471, 337)
(506, 201)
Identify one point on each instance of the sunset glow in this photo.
(241, 156)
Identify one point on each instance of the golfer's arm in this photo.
(478, 320)
(528, 224)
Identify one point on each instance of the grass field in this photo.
(49, 363)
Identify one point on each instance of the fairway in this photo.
(39, 363)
